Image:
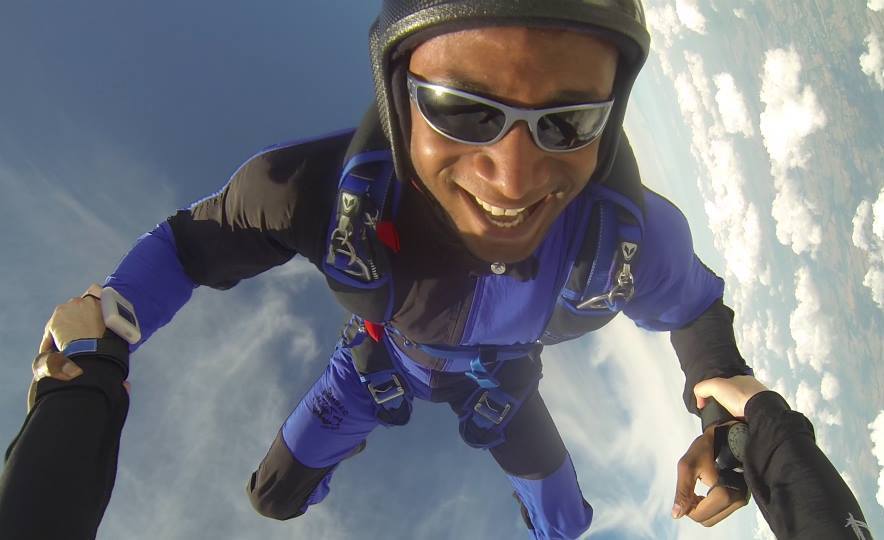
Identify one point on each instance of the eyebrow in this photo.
(563, 97)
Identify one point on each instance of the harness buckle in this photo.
(385, 391)
(623, 290)
(490, 409)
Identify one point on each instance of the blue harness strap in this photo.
(355, 257)
(488, 410)
(383, 381)
(610, 284)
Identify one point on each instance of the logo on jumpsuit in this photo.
(329, 410)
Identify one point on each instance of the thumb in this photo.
(685, 498)
(93, 290)
(47, 344)
(703, 390)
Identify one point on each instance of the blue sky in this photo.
(762, 121)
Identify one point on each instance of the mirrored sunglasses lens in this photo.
(460, 117)
(571, 129)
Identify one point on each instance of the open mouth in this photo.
(505, 218)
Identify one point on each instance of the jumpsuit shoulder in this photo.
(673, 287)
(276, 204)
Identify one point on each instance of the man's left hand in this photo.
(698, 463)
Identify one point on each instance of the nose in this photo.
(514, 165)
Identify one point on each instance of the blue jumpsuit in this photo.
(269, 211)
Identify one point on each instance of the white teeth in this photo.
(496, 210)
(508, 224)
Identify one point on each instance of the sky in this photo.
(760, 119)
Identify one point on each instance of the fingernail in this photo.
(676, 511)
(72, 370)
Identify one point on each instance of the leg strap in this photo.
(372, 359)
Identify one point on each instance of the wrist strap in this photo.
(111, 347)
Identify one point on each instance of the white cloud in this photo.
(790, 115)
(868, 235)
(876, 5)
(689, 14)
(872, 61)
(830, 418)
(697, 70)
(848, 479)
(862, 221)
(809, 324)
(792, 112)
(638, 440)
(830, 387)
(806, 399)
(732, 106)
(796, 218)
(773, 335)
(877, 436)
(762, 529)
(663, 24)
(733, 220)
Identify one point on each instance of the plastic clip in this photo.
(387, 390)
(491, 410)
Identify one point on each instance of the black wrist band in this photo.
(111, 347)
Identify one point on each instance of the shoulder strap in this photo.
(601, 278)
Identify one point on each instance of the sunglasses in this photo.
(471, 119)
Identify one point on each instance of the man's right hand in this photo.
(78, 318)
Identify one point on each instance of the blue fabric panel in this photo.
(507, 311)
(152, 278)
(555, 504)
(672, 286)
(335, 416)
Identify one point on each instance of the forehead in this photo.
(521, 63)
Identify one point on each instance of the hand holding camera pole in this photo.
(715, 457)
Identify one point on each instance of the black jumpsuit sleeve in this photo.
(706, 348)
(60, 470)
(797, 489)
(275, 205)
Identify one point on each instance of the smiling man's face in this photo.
(521, 67)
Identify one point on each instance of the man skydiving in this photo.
(487, 206)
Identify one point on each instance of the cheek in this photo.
(430, 152)
(581, 165)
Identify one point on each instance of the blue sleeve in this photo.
(672, 286)
(152, 278)
(674, 291)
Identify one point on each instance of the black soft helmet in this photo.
(403, 24)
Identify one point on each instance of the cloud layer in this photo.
(877, 434)
(790, 115)
(732, 106)
(872, 61)
(689, 14)
(868, 236)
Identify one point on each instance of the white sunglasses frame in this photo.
(511, 114)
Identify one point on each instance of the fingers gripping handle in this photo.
(730, 440)
(714, 414)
